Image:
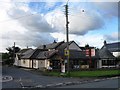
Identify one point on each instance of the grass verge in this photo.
(95, 73)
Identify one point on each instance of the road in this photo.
(27, 78)
(111, 83)
(24, 77)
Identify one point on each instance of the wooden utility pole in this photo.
(67, 36)
(14, 53)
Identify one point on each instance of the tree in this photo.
(5, 56)
(11, 52)
(87, 46)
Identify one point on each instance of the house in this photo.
(113, 48)
(18, 55)
(53, 56)
(49, 55)
(106, 58)
(108, 55)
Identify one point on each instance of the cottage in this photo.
(53, 56)
(18, 55)
(107, 59)
(113, 48)
(48, 56)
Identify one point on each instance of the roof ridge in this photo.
(113, 43)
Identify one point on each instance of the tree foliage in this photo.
(5, 56)
(11, 52)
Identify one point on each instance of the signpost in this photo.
(66, 52)
(90, 53)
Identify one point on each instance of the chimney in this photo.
(54, 41)
(105, 42)
(44, 46)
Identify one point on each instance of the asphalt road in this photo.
(111, 83)
(23, 77)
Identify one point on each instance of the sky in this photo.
(36, 22)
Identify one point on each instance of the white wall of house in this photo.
(73, 46)
(43, 64)
(25, 63)
(99, 64)
(47, 64)
(35, 64)
(30, 63)
(17, 61)
(116, 54)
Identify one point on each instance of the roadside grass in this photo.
(94, 73)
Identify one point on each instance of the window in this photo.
(23, 61)
(104, 62)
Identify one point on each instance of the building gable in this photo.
(112, 47)
(73, 46)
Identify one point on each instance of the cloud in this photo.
(32, 26)
(93, 40)
(30, 30)
(56, 19)
(112, 37)
(107, 9)
(86, 21)
(32, 22)
(26, 39)
(80, 23)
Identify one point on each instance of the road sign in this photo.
(87, 52)
(93, 52)
(66, 52)
(90, 52)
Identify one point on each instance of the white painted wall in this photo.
(116, 54)
(16, 63)
(43, 64)
(47, 63)
(26, 64)
(99, 64)
(30, 63)
(35, 64)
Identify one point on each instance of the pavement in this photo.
(106, 84)
(25, 78)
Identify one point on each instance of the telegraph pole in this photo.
(14, 53)
(67, 37)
